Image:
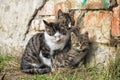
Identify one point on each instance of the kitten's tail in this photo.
(37, 71)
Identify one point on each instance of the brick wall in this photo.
(101, 13)
(101, 20)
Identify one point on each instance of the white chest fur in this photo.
(46, 61)
(54, 46)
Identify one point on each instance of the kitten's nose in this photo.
(57, 36)
(58, 39)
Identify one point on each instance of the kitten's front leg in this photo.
(56, 52)
(53, 69)
(79, 59)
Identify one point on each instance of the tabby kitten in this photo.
(73, 58)
(66, 19)
(40, 48)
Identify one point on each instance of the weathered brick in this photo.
(91, 4)
(76, 15)
(94, 4)
(100, 55)
(35, 24)
(38, 25)
(75, 4)
(98, 24)
(115, 31)
(48, 9)
(64, 6)
(118, 2)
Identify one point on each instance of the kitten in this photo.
(81, 45)
(40, 48)
(66, 20)
(75, 57)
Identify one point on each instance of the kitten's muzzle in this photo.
(58, 38)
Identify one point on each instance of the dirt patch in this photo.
(12, 75)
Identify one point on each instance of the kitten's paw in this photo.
(74, 63)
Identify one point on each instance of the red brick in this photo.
(98, 24)
(64, 6)
(115, 31)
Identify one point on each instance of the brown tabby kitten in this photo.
(73, 58)
(67, 20)
(40, 48)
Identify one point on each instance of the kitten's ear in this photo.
(71, 12)
(60, 13)
(45, 22)
(86, 33)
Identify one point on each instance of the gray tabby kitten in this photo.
(40, 48)
(80, 43)
(75, 57)
(66, 20)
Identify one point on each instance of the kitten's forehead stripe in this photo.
(55, 26)
(69, 18)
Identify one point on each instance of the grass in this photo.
(83, 73)
(86, 73)
(3, 60)
(114, 68)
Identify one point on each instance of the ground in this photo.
(9, 70)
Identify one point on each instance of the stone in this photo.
(98, 25)
(101, 55)
(76, 15)
(14, 18)
(48, 9)
(38, 25)
(115, 31)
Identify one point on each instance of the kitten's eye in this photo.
(46, 55)
(85, 43)
(77, 44)
(50, 32)
(63, 31)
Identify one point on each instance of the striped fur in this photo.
(38, 52)
(75, 57)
